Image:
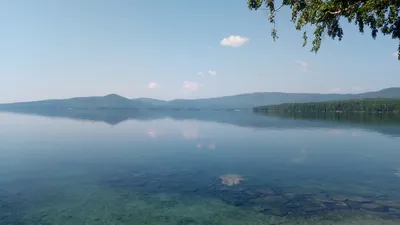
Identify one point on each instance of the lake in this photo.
(236, 168)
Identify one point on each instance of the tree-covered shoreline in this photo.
(378, 105)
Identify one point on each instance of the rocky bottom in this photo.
(276, 201)
(187, 198)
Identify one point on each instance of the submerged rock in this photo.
(311, 207)
(293, 205)
(323, 199)
(354, 205)
(394, 212)
(281, 211)
(231, 179)
(358, 199)
(270, 201)
(265, 191)
(340, 198)
(290, 196)
(273, 205)
(392, 204)
(374, 207)
(341, 205)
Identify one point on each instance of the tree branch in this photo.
(278, 8)
(275, 10)
(351, 6)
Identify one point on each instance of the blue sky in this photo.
(175, 49)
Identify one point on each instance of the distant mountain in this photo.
(247, 101)
(242, 101)
(152, 101)
(393, 92)
(109, 101)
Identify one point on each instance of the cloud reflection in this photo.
(355, 134)
(151, 133)
(302, 157)
(335, 131)
(190, 133)
(397, 173)
(211, 145)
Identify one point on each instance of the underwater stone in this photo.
(274, 199)
(341, 205)
(231, 179)
(290, 196)
(374, 207)
(354, 205)
(281, 211)
(269, 202)
(394, 212)
(265, 191)
(251, 194)
(358, 199)
(323, 199)
(292, 205)
(340, 198)
(311, 207)
(392, 204)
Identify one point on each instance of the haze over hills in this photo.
(242, 101)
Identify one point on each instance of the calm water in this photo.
(197, 168)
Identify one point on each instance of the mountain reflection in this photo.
(381, 123)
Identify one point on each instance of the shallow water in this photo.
(166, 168)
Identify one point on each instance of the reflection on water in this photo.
(197, 168)
(382, 123)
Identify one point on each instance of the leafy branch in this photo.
(325, 16)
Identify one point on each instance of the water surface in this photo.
(167, 168)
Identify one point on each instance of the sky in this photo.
(176, 49)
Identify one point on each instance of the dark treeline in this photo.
(359, 105)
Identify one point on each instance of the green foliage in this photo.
(325, 17)
(362, 105)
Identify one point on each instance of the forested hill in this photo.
(375, 105)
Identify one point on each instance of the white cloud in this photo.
(191, 85)
(396, 54)
(336, 90)
(304, 65)
(200, 73)
(212, 72)
(234, 41)
(152, 85)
